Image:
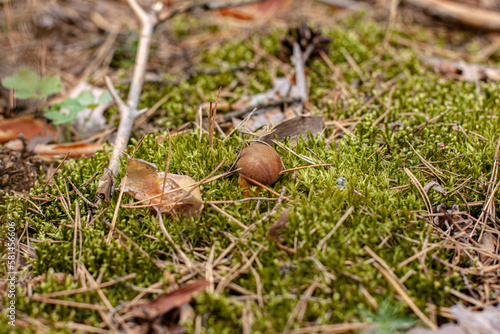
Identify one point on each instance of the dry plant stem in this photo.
(385, 270)
(300, 308)
(87, 289)
(55, 171)
(185, 258)
(167, 164)
(332, 329)
(69, 303)
(115, 214)
(128, 111)
(210, 126)
(300, 76)
(274, 103)
(330, 234)
(209, 5)
(390, 27)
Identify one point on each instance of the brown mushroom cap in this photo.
(261, 163)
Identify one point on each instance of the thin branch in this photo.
(128, 111)
(209, 5)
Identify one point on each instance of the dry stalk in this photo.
(389, 275)
(128, 111)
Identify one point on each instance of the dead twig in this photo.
(389, 275)
(128, 111)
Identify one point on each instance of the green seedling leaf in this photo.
(67, 119)
(25, 84)
(50, 85)
(105, 98)
(75, 109)
(68, 104)
(59, 118)
(85, 98)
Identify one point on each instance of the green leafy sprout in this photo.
(29, 85)
(75, 105)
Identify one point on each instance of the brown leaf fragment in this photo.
(462, 70)
(274, 230)
(294, 127)
(105, 186)
(489, 243)
(436, 186)
(481, 322)
(261, 10)
(76, 150)
(460, 12)
(28, 126)
(170, 301)
(179, 194)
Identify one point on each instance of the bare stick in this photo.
(167, 164)
(128, 111)
(210, 126)
(385, 270)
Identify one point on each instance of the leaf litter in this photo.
(178, 195)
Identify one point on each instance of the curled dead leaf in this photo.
(436, 186)
(74, 150)
(179, 195)
(262, 10)
(274, 230)
(489, 244)
(163, 314)
(28, 126)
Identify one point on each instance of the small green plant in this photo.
(388, 319)
(28, 84)
(75, 105)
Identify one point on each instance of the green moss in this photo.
(315, 202)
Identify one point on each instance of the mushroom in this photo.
(260, 163)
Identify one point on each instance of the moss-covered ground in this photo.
(385, 218)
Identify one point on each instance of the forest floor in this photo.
(393, 223)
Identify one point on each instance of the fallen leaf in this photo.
(436, 186)
(76, 150)
(144, 182)
(169, 301)
(274, 230)
(481, 322)
(165, 313)
(489, 243)
(462, 70)
(294, 127)
(262, 10)
(28, 126)
(468, 15)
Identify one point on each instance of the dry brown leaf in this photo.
(262, 10)
(76, 150)
(144, 182)
(436, 186)
(28, 126)
(274, 230)
(482, 322)
(169, 301)
(165, 313)
(489, 243)
(462, 70)
(295, 127)
(463, 13)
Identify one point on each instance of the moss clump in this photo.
(383, 219)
